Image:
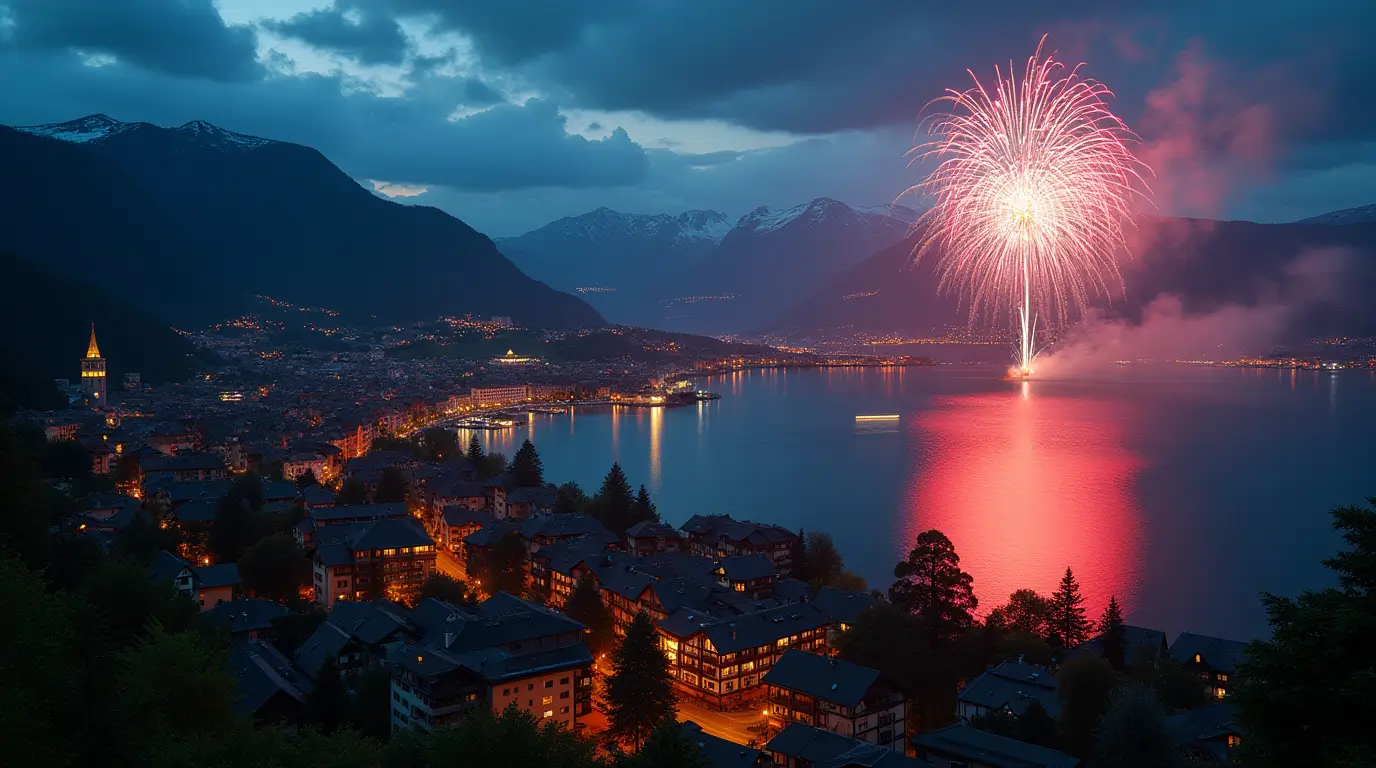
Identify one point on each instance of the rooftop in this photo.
(1012, 685)
(824, 749)
(825, 678)
(1219, 654)
(990, 749)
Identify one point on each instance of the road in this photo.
(446, 563)
(739, 727)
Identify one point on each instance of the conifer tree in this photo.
(475, 450)
(526, 468)
(643, 510)
(1068, 624)
(639, 693)
(932, 586)
(586, 607)
(799, 567)
(1113, 635)
(612, 506)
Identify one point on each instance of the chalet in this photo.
(207, 585)
(269, 690)
(802, 746)
(960, 746)
(184, 467)
(1213, 659)
(753, 575)
(383, 557)
(1137, 642)
(721, 661)
(1205, 736)
(842, 607)
(720, 536)
(720, 753)
(524, 502)
(247, 618)
(319, 518)
(648, 538)
(837, 696)
(506, 652)
(1010, 687)
(357, 635)
(457, 522)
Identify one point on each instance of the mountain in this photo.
(700, 271)
(617, 255)
(46, 317)
(233, 215)
(773, 259)
(1324, 272)
(1362, 215)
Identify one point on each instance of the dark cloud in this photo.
(508, 32)
(476, 93)
(179, 37)
(360, 30)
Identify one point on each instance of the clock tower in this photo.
(93, 373)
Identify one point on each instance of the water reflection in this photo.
(1025, 484)
(656, 427)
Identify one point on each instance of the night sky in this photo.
(510, 113)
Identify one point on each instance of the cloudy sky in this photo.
(510, 113)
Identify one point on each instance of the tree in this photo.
(932, 586)
(799, 566)
(639, 693)
(1175, 686)
(127, 602)
(1083, 685)
(306, 479)
(327, 703)
(475, 451)
(570, 498)
(643, 510)
(444, 587)
(586, 607)
(667, 747)
(1306, 696)
(1067, 623)
(510, 739)
(1114, 635)
(392, 486)
(824, 560)
(296, 627)
(172, 689)
(1133, 734)
(275, 568)
(141, 540)
(438, 444)
(371, 712)
(614, 501)
(505, 568)
(1033, 726)
(238, 523)
(851, 582)
(352, 492)
(1026, 612)
(126, 470)
(65, 460)
(895, 642)
(527, 471)
(493, 464)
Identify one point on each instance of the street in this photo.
(739, 727)
(446, 563)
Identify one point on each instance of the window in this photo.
(530, 686)
(548, 713)
(547, 700)
(506, 691)
(549, 683)
(389, 552)
(563, 694)
(470, 697)
(563, 681)
(739, 586)
(563, 710)
(1222, 678)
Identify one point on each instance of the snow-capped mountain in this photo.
(824, 210)
(1362, 215)
(99, 128)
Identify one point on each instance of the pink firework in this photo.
(1033, 187)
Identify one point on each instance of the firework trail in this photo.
(1033, 186)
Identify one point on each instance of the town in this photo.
(328, 565)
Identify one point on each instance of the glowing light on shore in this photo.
(1033, 187)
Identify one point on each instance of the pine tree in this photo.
(639, 693)
(799, 567)
(1113, 635)
(392, 486)
(586, 607)
(643, 510)
(614, 501)
(667, 747)
(1068, 624)
(475, 451)
(526, 468)
(327, 704)
(505, 570)
(306, 479)
(570, 498)
(352, 492)
(932, 586)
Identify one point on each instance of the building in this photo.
(1213, 659)
(208, 586)
(960, 746)
(457, 523)
(720, 753)
(802, 746)
(648, 538)
(247, 618)
(133, 382)
(1137, 641)
(493, 397)
(1205, 736)
(506, 652)
(389, 557)
(183, 468)
(93, 373)
(752, 575)
(1009, 687)
(357, 635)
(842, 607)
(721, 536)
(836, 696)
(525, 502)
(721, 661)
(269, 690)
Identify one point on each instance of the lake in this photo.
(1184, 491)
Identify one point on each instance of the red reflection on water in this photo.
(1025, 485)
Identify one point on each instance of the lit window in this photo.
(1219, 693)
(548, 713)
(547, 700)
(563, 710)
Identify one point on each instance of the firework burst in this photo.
(1033, 186)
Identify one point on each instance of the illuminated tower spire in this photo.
(93, 372)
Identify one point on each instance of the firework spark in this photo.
(1033, 187)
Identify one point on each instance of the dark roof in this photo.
(499, 620)
(652, 529)
(384, 533)
(247, 614)
(1012, 685)
(990, 749)
(1219, 654)
(379, 460)
(719, 752)
(491, 663)
(823, 677)
(489, 534)
(841, 605)
(824, 749)
(564, 525)
(712, 526)
(325, 642)
(1135, 637)
(166, 566)
(359, 512)
(1206, 729)
(458, 488)
(459, 516)
(201, 509)
(541, 496)
(275, 490)
(222, 575)
(179, 493)
(261, 672)
(747, 567)
(180, 463)
(99, 501)
(315, 495)
(371, 621)
(749, 630)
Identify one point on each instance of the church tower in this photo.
(93, 373)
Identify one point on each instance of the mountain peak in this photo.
(80, 130)
(764, 219)
(209, 134)
(1361, 215)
